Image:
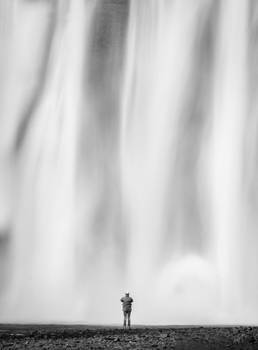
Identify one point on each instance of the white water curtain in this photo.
(128, 160)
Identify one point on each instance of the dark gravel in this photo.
(90, 337)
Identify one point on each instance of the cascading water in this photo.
(128, 160)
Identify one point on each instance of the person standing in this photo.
(127, 309)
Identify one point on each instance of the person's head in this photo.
(127, 294)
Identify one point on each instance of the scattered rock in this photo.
(80, 337)
(164, 335)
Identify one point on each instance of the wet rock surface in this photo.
(90, 337)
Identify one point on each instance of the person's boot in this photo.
(129, 324)
(124, 324)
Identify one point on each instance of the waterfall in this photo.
(128, 160)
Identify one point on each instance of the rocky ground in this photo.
(85, 337)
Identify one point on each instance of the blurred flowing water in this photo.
(128, 160)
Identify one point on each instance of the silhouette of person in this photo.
(127, 309)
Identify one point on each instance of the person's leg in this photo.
(129, 319)
(124, 319)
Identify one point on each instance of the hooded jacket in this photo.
(127, 303)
